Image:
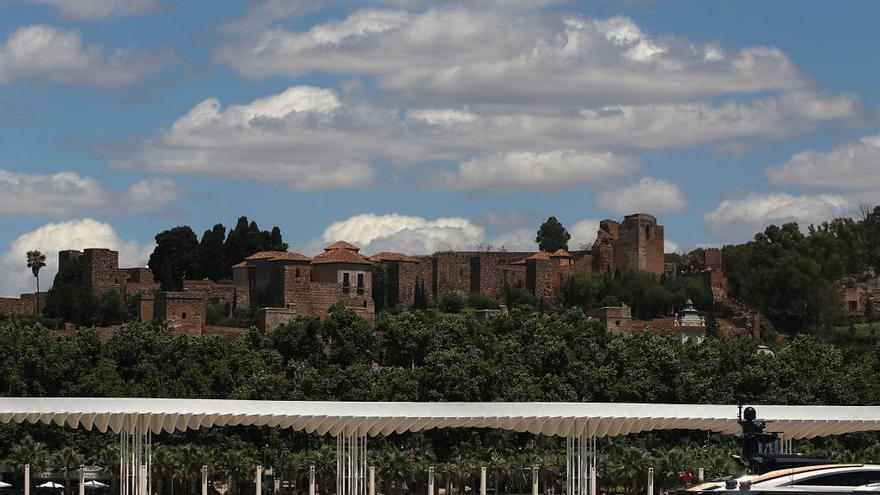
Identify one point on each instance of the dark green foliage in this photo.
(175, 258)
(422, 356)
(381, 287)
(222, 315)
(420, 300)
(69, 299)
(247, 238)
(552, 236)
(212, 253)
(478, 300)
(521, 297)
(452, 303)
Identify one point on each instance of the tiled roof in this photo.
(342, 245)
(340, 256)
(540, 255)
(278, 255)
(243, 264)
(561, 253)
(389, 256)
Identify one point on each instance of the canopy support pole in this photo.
(351, 463)
(135, 456)
(580, 464)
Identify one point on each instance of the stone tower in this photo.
(100, 270)
(639, 245)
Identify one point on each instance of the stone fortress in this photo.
(283, 285)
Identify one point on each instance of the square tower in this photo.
(100, 270)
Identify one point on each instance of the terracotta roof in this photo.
(277, 255)
(342, 245)
(340, 256)
(243, 264)
(561, 253)
(540, 255)
(389, 256)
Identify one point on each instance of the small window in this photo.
(853, 306)
(617, 323)
(647, 232)
(360, 286)
(183, 315)
(297, 273)
(346, 283)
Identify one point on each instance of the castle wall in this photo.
(101, 270)
(639, 245)
(17, 306)
(185, 311)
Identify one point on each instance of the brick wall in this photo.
(101, 270)
(712, 258)
(67, 255)
(16, 306)
(639, 245)
(614, 319)
(214, 293)
(271, 318)
(185, 311)
(145, 305)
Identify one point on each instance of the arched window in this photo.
(647, 231)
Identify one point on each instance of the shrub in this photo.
(452, 303)
(478, 300)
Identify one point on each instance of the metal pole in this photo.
(311, 480)
(650, 481)
(534, 480)
(204, 480)
(483, 481)
(259, 480)
(700, 475)
(431, 480)
(82, 479)
(372, 481)
(27, 479)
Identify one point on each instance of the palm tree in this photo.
(164, 460)
(236, 466)
(35, 261)
(30, 452)
(66, 461)
(108, 459)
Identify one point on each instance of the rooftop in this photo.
(390, 256)
(341, 256)
(342, 245)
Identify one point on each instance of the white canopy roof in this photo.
(383, 418)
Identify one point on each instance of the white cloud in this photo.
(742, 217)
(670, 246)
(523, 170)
(99, 9)
(302, 136)
(310, 138)
(67, 194)
(51, 238)
(646, 195)
(472, 53)
(258, 15)
(522, 239)
(854, 165)
(41, 54)
(408, 234)
(149, 195)
(583, 233)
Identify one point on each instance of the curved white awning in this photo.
(383, 418)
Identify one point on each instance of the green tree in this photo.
(66, 461)
(68, 298)
(28, 451)
(175, 258)
(212, 254)
(35, 261)
(552, 236)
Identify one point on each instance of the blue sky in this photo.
(418, 125)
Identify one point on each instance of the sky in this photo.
(419, 125)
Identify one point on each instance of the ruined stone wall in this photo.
(614, 319)
(583, 262)
(452, 273)
(296, 288)
(17, 306)
(712, 258)
(475, 271)
(544, 278)
(185, 311)
(603, 258)
(101, 270)
(216, 293)
(322, 295)
(269, 319)
(145, 304)
(407, 276)
(425, 274)
(639, 246)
